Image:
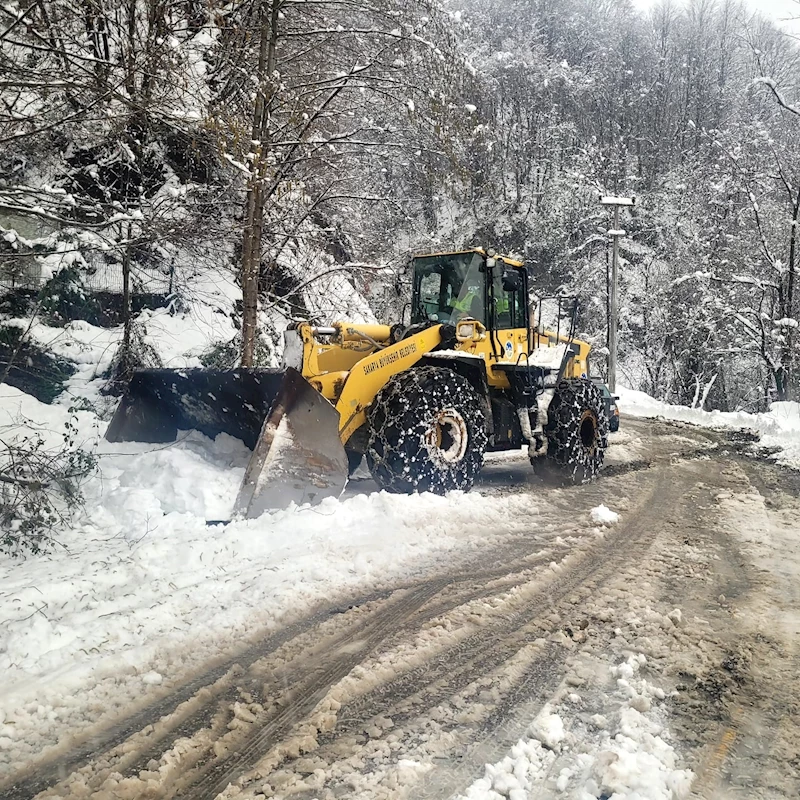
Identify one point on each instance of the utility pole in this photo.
(615, 234)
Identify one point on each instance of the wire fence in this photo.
(27, 275)
(93, 294)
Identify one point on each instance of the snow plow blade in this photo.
(299, 456)
(291, 428)
(160, 402)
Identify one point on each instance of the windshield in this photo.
(448, 287)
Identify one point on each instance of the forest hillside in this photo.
(174, 174)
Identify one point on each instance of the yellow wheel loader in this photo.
(423, 403)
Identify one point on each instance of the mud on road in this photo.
(409, 692)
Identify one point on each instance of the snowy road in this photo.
(578, 658)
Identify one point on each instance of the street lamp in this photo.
(614, 233)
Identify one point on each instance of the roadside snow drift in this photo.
(778, 428)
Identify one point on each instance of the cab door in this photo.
(508, 315)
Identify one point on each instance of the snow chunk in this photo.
(548, 729)
(675, 616)
(601, 515)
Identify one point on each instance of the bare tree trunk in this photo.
(254, 211)
(249, 282)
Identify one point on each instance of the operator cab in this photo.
(451, 286)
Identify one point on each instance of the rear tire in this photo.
(577, 434)
(427, 433)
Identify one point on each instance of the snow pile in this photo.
(628, 757)
(778, 428)
(124, 586)
(602, 515)
(637, 761)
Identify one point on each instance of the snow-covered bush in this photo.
(64, 298)
(30, 368)
(40, 488)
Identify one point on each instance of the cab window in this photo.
(448, 287)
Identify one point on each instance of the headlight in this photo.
(465, 331)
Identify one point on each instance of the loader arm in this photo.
(370, 375)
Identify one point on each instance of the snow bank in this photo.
(779, 427)
(132, 584)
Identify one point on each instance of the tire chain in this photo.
(567, 456)
(403, 412)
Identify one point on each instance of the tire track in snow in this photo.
(428, 685)
(309, 689)
(395, 623)
(194, 705)
(392, 611)
(305, 699)
(40, 775)
(504, 725)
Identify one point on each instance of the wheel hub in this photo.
(588, 429)
(447, 438)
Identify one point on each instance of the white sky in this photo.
(777, 9)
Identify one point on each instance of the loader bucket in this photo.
(292, 430)
(299, 456)
(160, 402)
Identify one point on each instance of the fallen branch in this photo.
(24, 482)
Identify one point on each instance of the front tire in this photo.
(427, 433)
(577, 434)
